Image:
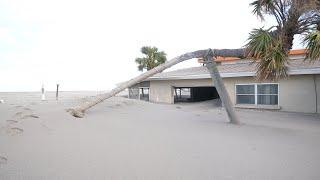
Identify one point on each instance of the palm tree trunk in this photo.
(218, 83)
(79, 111)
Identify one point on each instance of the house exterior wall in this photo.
(296, 94)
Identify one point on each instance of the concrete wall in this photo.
(296, 94)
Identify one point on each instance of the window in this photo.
(245, 94)
(258, 94)
(267, 94)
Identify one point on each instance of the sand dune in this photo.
(129, 139)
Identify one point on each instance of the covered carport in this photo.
(195, 94)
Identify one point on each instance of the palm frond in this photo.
(312, 42)
(260, 42)
(145, 49)
(151, 59)
(141, 63)
(160, 57)
(261, 7)
(273, 65)
(269, 54)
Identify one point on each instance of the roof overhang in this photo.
(237, 74)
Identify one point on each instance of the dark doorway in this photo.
(144, 93)
(195, 94)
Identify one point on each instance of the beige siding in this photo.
(296, 94)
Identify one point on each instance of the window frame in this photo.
(256, 93)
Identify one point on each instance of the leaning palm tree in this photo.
(208, 55)
(152, 58)
(270, 47)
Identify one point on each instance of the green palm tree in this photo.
(152, 58)
(270, 47)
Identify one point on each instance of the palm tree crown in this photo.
(270, 47)
(152, 58)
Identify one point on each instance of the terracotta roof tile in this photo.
(224, 59)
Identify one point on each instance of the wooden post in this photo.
(139, 93)
(43, 96)
(142, 90)
(57, 92)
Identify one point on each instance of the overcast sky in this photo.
(91, 45)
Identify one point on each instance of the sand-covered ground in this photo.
(129, 139)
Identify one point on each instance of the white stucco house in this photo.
(298, 93)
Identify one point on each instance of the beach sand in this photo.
(130, 139)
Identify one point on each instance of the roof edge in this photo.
(305, 71)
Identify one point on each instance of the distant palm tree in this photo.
(270, 47)
(152, 58)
